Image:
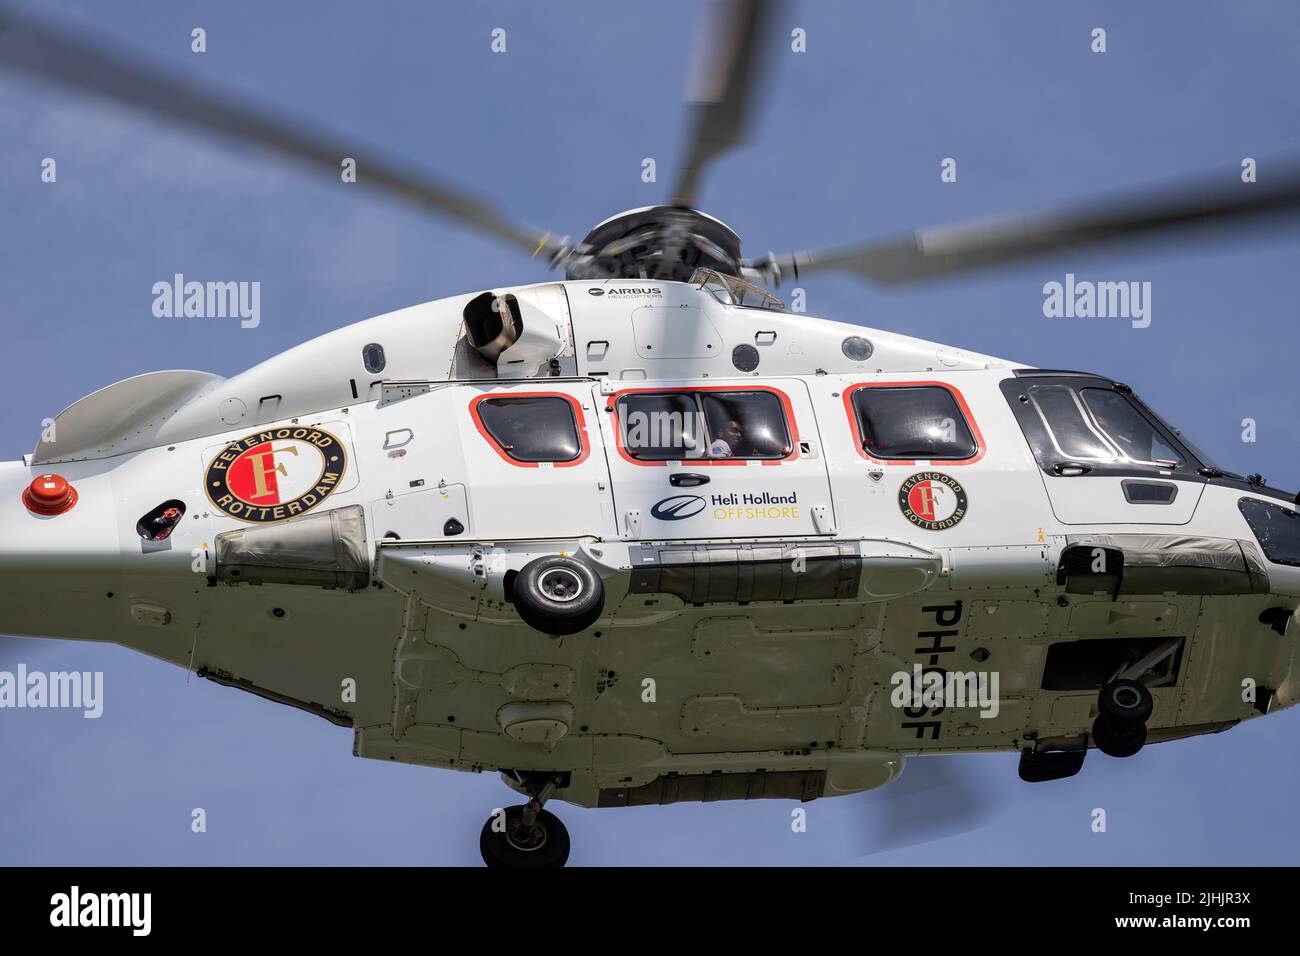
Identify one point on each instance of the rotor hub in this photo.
(656, 242)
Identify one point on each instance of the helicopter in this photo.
(642, 535)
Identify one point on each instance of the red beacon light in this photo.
(49, 495)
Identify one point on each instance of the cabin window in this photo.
(697, 425)
(532, 428)
(913, 423)
(662, 427)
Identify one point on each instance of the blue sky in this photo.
(847, 146)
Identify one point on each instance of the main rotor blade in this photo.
(51, 52)
(1203, 208)
(724, 76)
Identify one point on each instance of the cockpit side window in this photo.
(702, 424)
(1068, 424)
(1136, 438)
(531, 428)
(1082, 425)
(911, 423)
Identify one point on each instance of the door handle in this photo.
(688, 480)
(1069, 469)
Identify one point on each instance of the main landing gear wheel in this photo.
(1117, 738)
(1125, 700)
(558, 596)
(509, 839)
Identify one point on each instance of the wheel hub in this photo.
(523, 837)
(560, 585)
(1126, 697)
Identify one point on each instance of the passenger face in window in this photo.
(746, 425)
(731, 442)
(690, 426)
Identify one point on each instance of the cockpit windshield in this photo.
(730, 290)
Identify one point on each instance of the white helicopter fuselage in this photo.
(352, 524)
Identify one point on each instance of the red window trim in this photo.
(578, 417)
(980, 447)
(786, 408)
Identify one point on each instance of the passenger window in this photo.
(684, 426)
(532, 428)
(745, 425)
(912, 422)
(661, 427)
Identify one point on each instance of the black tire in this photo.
(558, 596)
(1118, 739)
(1125, 700)
(516, 846)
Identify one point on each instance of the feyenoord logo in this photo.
(932, 501)
(276, 474)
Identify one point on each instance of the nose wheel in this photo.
(525, 836)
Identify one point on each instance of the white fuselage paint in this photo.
(738, 687)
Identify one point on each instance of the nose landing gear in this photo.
(526, 836)
(1123, 707)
